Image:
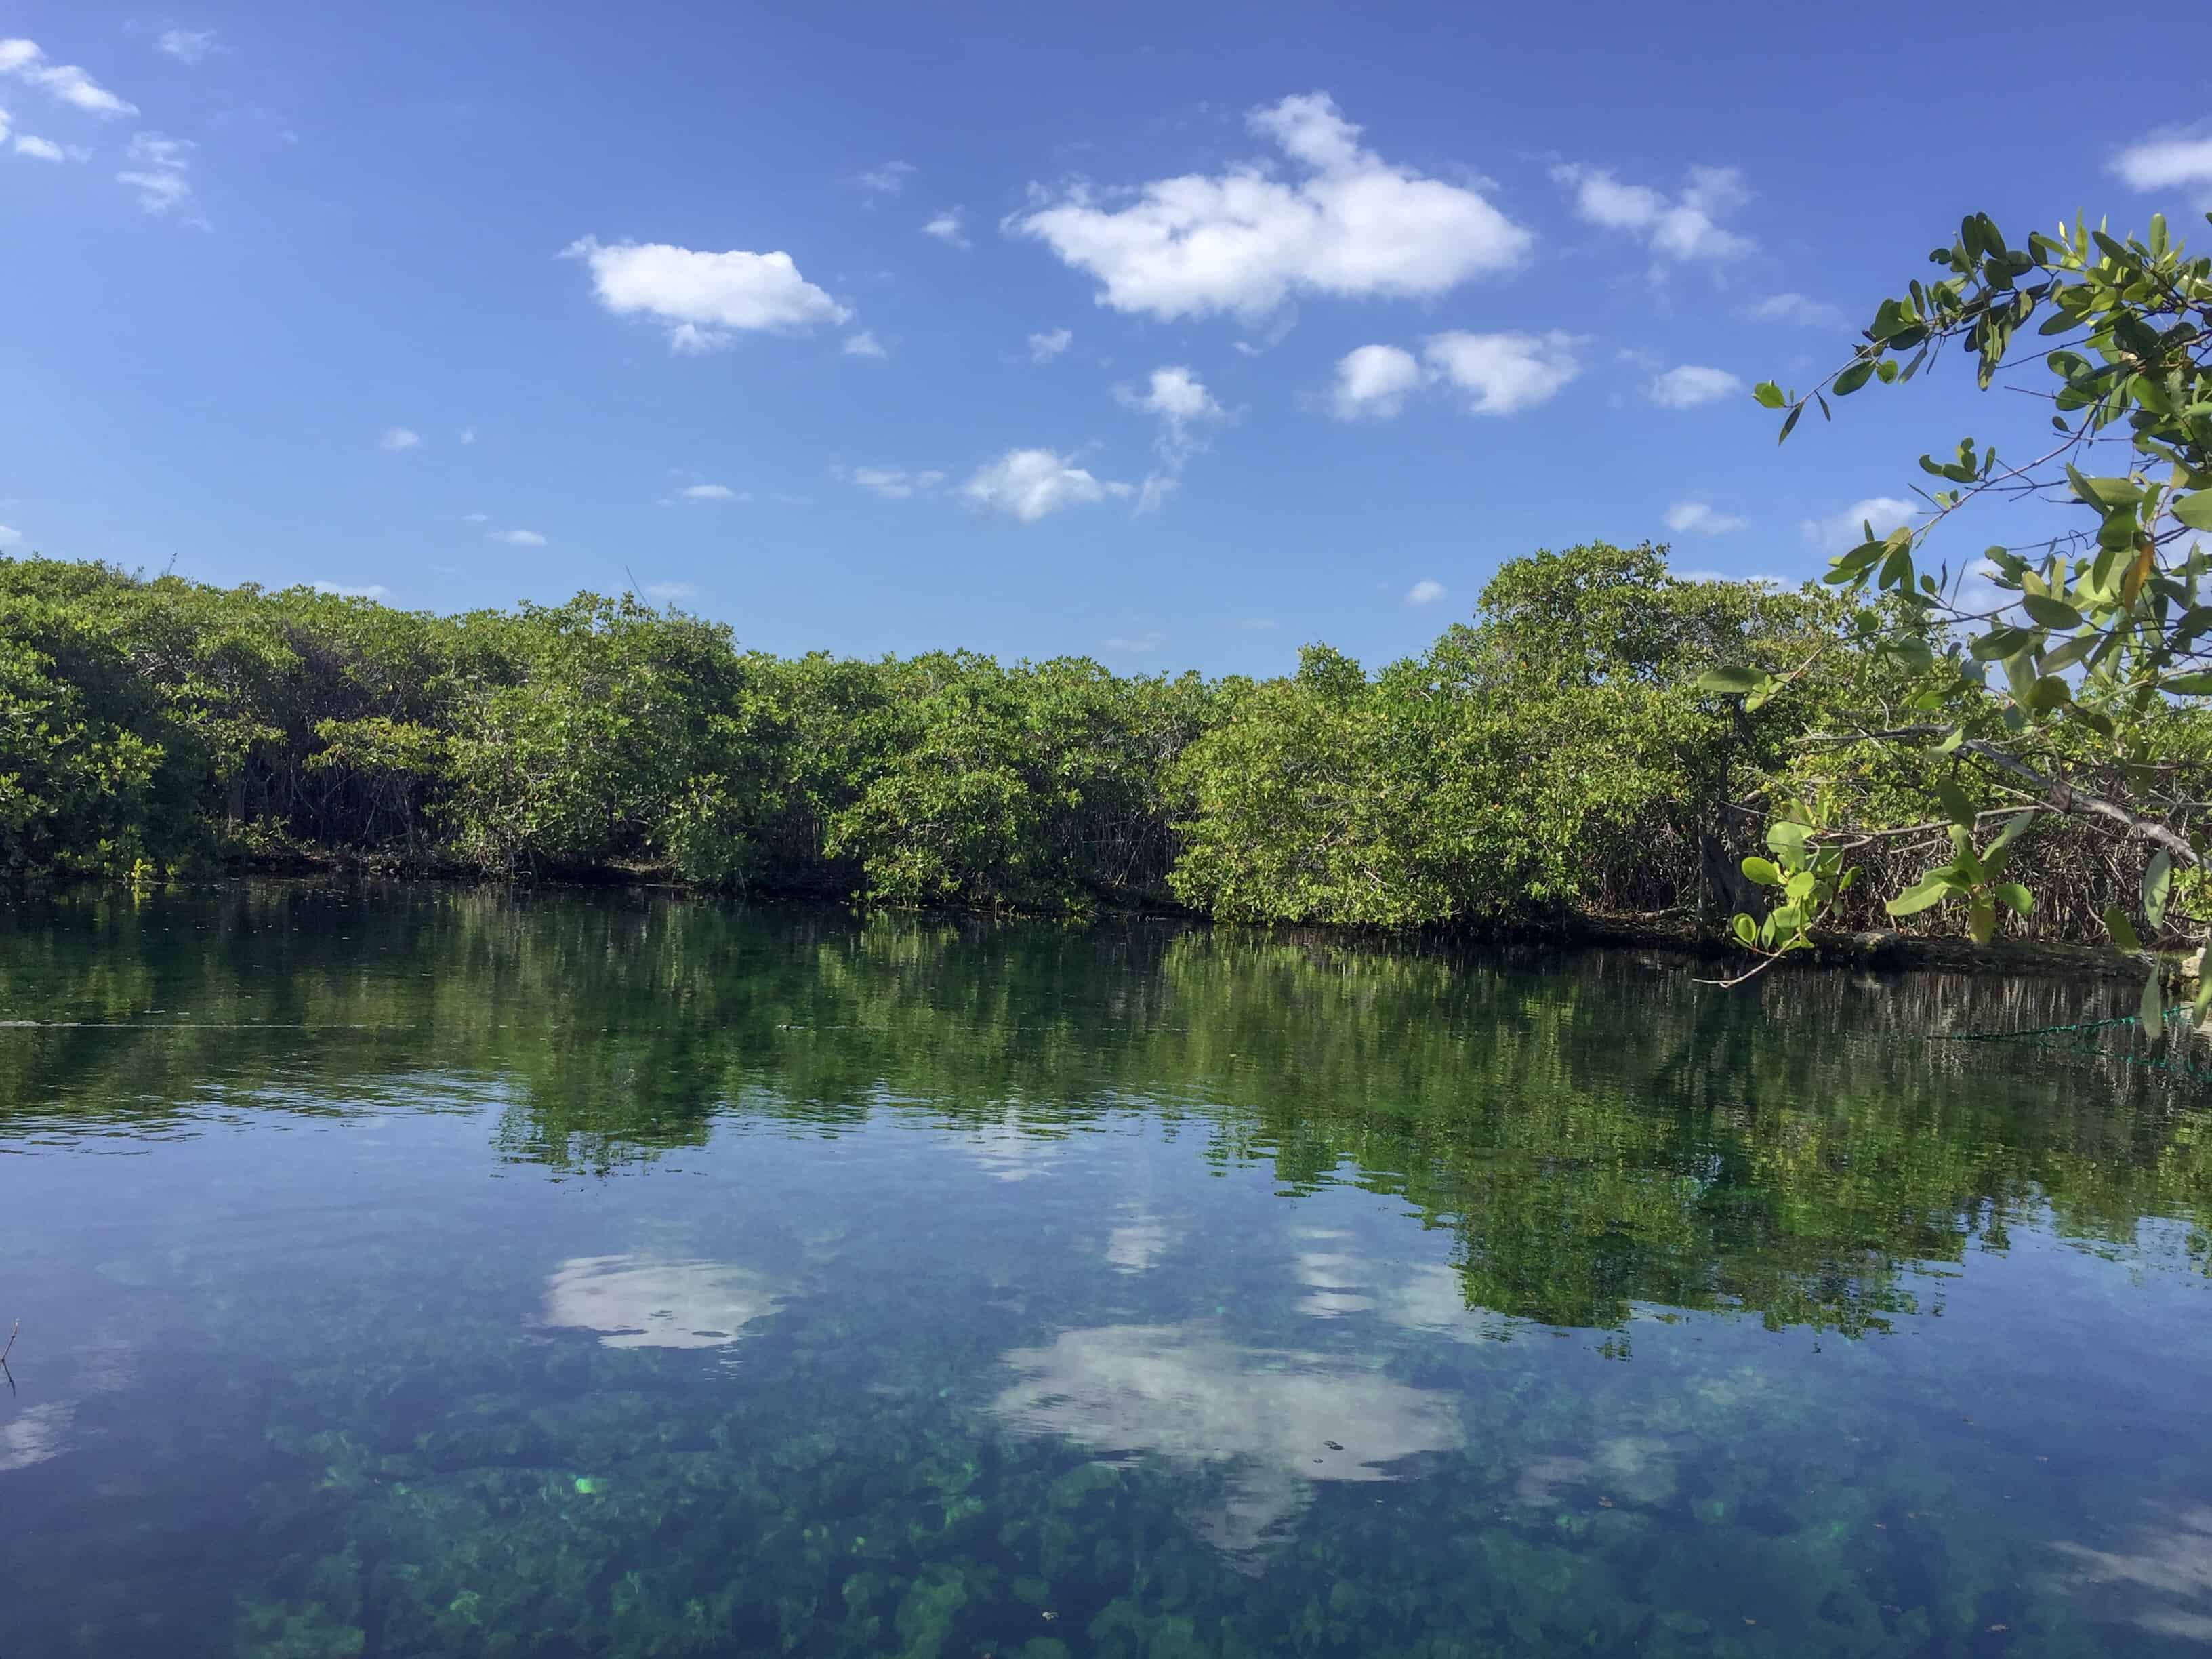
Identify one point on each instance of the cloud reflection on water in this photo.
(1275, 1421)
(651, 1301)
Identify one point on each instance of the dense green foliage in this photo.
(1558, 752)
(2099, 622)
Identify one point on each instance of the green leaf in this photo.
(2000, 642)
(2151, 1016)
(1854, 377)
(1981, 920)
(1746, 931)
(2158, 880)
(1790, 425)
(2122, 930)
(2195, 511)
(2048, 692)
(1923, 895)
(1995, 854)
(2051, 613)
(1769, 395)
(1956, 806)
(1801, 886)
(2012, 894)
(1733, 681)
(1787, 838)
(1760, 870)
(2187, 685)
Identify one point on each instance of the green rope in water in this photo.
(2049, 1036)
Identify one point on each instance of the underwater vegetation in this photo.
(422, 1273)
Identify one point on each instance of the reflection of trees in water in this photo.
(1596, 1128)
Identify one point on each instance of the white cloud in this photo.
(468, 435)
(159, 177)
(1044, 348)
(186, 45)
(1029, 483)
(1374, 380)
(703, 296)
(888, 179)
(398, 438)
(23, 60)
(1692, 383)
(1244, 241)
(476, 518)
(1847, 529)
(1176, 396)
(518, 538)
(945, 227)
(1425, 592)
(1796, 309)
(1502, 372)
(9, 535)
(894, 483)
(45, 149)
(1181, 402)
(1151, 641)
(372, 591)
(865, 344)
(1685, 227)
(710, 492)
(2169, 161)
(1698, 518)
(666, 591)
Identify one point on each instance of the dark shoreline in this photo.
(1678, 932)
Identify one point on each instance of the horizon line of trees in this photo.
(1557, 753)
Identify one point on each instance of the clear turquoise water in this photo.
(423, 1273)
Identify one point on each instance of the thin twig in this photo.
(1730, 984)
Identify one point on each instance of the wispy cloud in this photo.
(945, 227)
(345, 591)
(158, 172)
(26, 62)
(1044, 347)
(705, 493)
(1699, 518)
(398, 438)
(1798, 309)
(1684, 226)
(865, 344)
(1179, 399)
(1425, 592)
(518, 538)
(186, 45)
(1847, 529)
(888, 179)
(1692, 383)
(2173, 160)
(665, 592)
(893, 484)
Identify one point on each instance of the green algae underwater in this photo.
(412, 1270)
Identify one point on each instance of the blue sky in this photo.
(1174, 336)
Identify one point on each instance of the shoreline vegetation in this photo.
(1556, 764)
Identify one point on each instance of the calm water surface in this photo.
(418, 1273)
